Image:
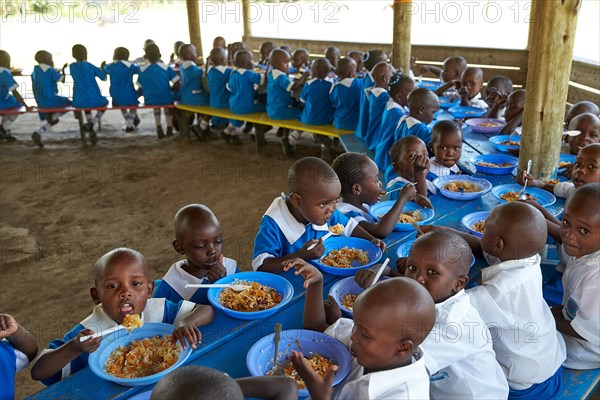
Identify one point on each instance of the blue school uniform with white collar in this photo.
(242, 99)
(7, 85)
(280, 233)
(86, 92)
(191, 91)
(363, 118)
(318, 109)
(157, 310)
(155, 79)
(358, 214)
(122, 91)
(172, 285)
(45, 88)
(397, 182)
(280, 103)
(378, 98)
(437, 170)
(218, 77)
(389, 121)
(11, 362)
(345, 98)
(411, 126)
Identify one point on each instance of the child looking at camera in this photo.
(578, 318)
(399, 87)
(446, 146)
(471, 82)
(496, 95)
(461, 360)
(345, 95)
(378, 97)
(122, 91)
(198, 237)
(296, 221)
(361, 188)
(156, 80)
(391, 320)
(17, 349)
(588, 126)
(410, 164)
(86, 93)
(121, 287)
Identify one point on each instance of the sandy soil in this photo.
(63, 206)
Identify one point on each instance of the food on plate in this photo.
(257, 297)
(489, 124)
(343, 258)
(563, 164)
(462, 186)
(514, 196)
(408, 217)
(336, 229)
(479, 226)
(132, 321)
(143, 357)
(316, 361)
(348, 300)
(510, 143)
(504, 164)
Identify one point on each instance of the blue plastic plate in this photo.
(495, 159)
(470, 219)
(404, 249)
(446, 103)
(259, 359)
(343, 287)
(337, 242)
(498, 140)
(381, 208)
(431, 85)
(570, 158)
(97, 359)
(540, 195)
(467, 112)
(280, 284)
(476, 125)
(441, 181)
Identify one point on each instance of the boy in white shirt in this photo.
(578, 319)
(471, 82)
(391, 320)
(458, 353)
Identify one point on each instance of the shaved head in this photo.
(193, 215)
(119, 255)
(196, 382)
(309, 172)
(449, 248)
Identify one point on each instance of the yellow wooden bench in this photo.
(327, 132)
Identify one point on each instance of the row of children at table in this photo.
(471, 327)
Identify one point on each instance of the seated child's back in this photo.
(527, 345)
(155, 79)
(86, 92)
(121, 73)
(218, 77)
(345, 95)
(318, 109)
(191, 91)
(423, 103)
(280, 103)
(378, 97)
(198, 237)
(242, 85)
(371, 59)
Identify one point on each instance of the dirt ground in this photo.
(64, 206)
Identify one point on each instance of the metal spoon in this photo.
(277, 368)
(522, 195)
(235, 287)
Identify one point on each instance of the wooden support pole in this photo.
(532, 26)
(548, 72)
(193, 12)
(401, 40)
(246, 17)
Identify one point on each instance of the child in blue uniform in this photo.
(423, 103)
(17, 349)
(198, 237)
(122, 91)
(410, 164)
(86, 93)
(294, 222)
(345, 95)
(8, 85)
(361, 188)
(191, 91)
(399, 86)
(378, 97)
(280, 103)
(358, 57)
(318, 109)
(45, 90)
(156, 79)
(446, 146)
(122, 287)
(242, 85)
(371, 59)
(218, 77)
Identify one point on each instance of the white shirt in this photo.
(460, 360)
(564, 189)
(581, 300)
(527, 344)
(430, 186)
(409, 382)
(477, 101)
(345, 208)
(438, 169)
